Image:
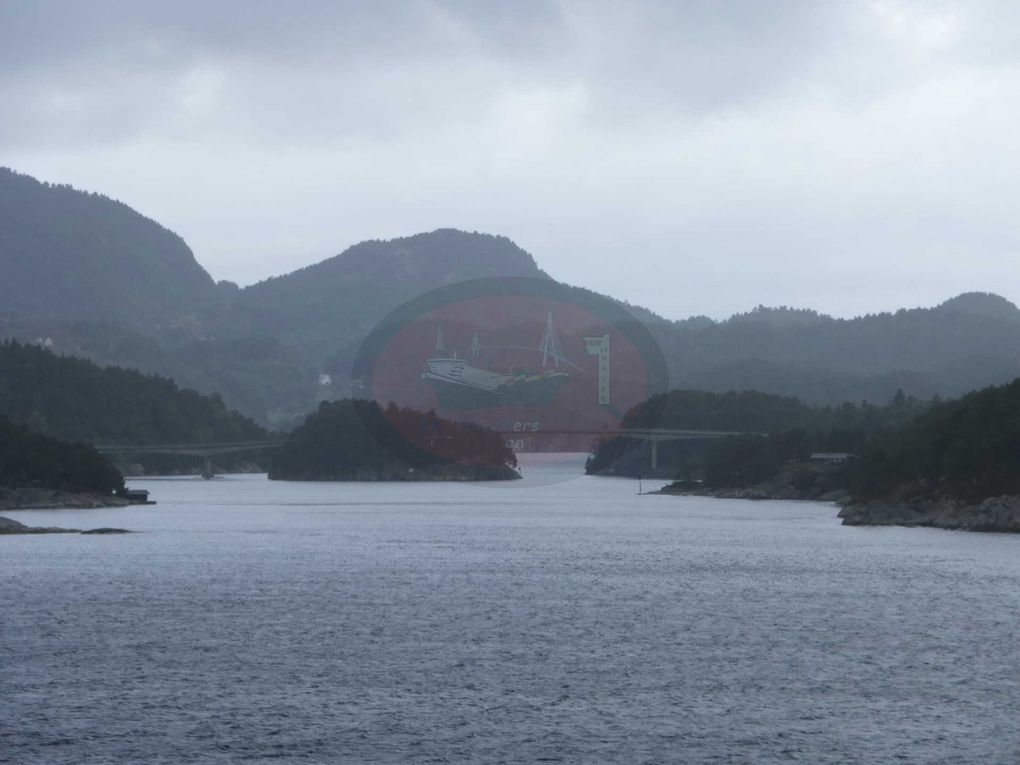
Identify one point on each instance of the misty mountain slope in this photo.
(259, 376)
(74, 254)
(394, 270)
(106, 283)
(970, 341)
(327, 308)
(101, 281)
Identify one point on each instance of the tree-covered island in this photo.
(76, 400)
(39, 471)
(356, 440)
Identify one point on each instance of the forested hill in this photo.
(355, 440)
(101, 281)
(949, 464)
(70, 253)
(967, 449)
(743, 412)
(965, 343)
(327, 309)
(777, 430)
(76, 400)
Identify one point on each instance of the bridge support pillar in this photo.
(207, 471)
(655, 453)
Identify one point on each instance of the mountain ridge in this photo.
(265, 346)
(67, 252)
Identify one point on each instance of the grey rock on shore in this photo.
(993, 514)
(9, 526)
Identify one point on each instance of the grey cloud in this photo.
(337, 62)
(791, 151)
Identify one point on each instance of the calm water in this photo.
(559, 622)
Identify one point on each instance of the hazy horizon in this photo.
(695, 160)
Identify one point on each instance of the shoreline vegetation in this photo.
(76, 400)
(999, 514)
(36, 498)
(950, 465)
(40, 472)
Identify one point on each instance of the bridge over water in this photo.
(654, 435)
(209, 450)
(206, 451)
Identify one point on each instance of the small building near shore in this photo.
(136, 496)
(832, 458)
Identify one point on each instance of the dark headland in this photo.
(943, 464)
(37, 471)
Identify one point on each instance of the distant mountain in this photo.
(89, 276)
(965, 343)
(94, 278)
(980, 304)
(328, 308)
(73, 254)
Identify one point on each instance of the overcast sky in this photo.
(693, 157)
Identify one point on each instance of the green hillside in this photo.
(952, 464)
(327, 309)
(967, 449)
(747, 411)
(101, 281)
(69, 253)
(968, 342)
(76, 400)
(777, 430)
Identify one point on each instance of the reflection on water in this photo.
(568, 621)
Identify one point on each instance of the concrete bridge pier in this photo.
(207, 471)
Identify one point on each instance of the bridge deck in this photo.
(208, 449)
(653, 435)
(191, 450)
(661, 434)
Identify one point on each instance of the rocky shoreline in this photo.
(796, 481)
(9, 526)
(758, 492)
(995, 514)
(49, 499)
